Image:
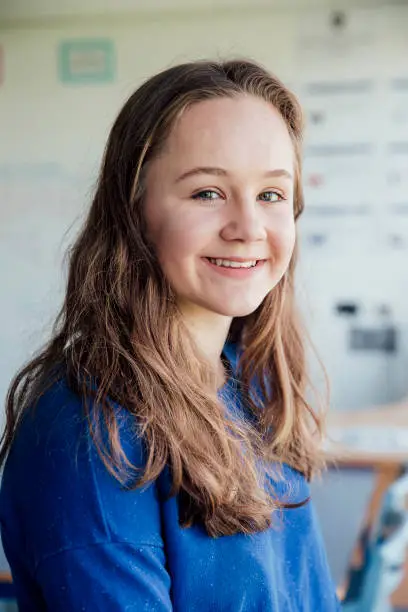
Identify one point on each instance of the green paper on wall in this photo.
(86, 61)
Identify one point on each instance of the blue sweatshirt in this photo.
(77, 541)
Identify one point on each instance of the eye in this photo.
(271, 196)
(206, 195)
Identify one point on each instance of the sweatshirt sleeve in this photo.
(111, 577)
(76, 539)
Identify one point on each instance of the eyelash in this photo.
(199, 196)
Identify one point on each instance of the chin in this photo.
(235, 310)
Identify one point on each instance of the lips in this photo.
(238, 259)
(235, 269)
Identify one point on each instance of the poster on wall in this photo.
(397, 107)
(342, 191)
(395, 161)
(340, 110)
(342, 185)
(332, 41)
(395, 233)
(86, 61)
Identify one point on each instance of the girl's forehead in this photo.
(236, 130)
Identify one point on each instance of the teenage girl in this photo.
(160, 447)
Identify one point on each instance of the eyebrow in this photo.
(279, 172)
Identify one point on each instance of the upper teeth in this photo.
(233, 264)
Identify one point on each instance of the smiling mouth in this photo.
(231, 263)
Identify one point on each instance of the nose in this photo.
(245, 222)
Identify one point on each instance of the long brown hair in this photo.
(119, 325)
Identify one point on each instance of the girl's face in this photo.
(219, 199)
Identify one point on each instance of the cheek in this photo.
(174, 239)
(282, 238)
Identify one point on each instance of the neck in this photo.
(210, 331)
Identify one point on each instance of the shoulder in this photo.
(56, 489)
(54, 435)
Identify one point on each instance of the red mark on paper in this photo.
(315, 180)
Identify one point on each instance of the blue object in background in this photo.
(384, 555)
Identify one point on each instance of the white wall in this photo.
(38, 9)
(52, 135)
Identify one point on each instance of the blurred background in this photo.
(66, 68)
